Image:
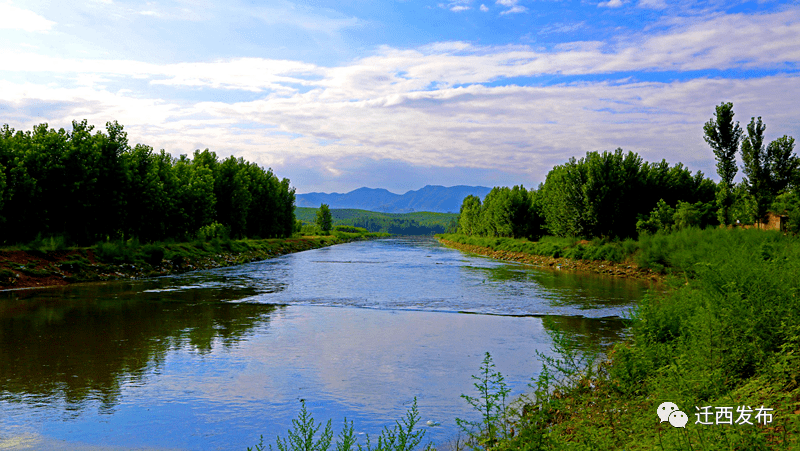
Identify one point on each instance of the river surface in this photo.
(213, 359)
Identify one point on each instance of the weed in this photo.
(304, 435)
(491, 403)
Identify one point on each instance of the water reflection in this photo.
(82, 342)
(213, 359)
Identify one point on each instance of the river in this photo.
(213, 359)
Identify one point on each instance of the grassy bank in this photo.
(50, 262)
(726, 334)
(611, 258)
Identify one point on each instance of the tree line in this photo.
(88, 186)
(617, 194)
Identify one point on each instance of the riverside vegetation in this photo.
(105, 210)
(417, 223)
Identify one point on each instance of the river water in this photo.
(214, 359)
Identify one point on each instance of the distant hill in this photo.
(417, 223)
(433, 198)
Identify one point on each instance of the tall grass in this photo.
(550, 246)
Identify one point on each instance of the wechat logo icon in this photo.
(668, 411)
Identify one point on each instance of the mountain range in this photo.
(433, 198)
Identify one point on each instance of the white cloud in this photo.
(512, 6)
(14, 18)
(484, 8)
(611, 4)
(653, 4)
(457, 5)
(435, 103)
(560, 27)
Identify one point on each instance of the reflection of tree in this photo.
(568, 288)
(84, 342)
(587, 333)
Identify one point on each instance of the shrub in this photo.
(153, 254)
(115, 251)
(212, 231)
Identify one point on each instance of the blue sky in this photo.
(399, 94)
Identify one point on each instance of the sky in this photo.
(399, 94)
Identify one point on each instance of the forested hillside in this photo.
(419, 223)
(85, 185)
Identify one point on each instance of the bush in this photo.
(212, 231)
(116, 251)
(349, 229)
(153, 254)
(51, 243)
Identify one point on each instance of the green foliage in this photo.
(782, 165)
(324, 219)
(725, 333)
(116, 251)
(724, 136)
(661, 218)
(349, 229)
(304, 435)
(212, 231)
(89, 186)
(469, 218)
(491, 403)
(550, 246)
(153, 254)
(48, 244)
(603, 195)
(418, 223)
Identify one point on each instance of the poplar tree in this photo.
(757, 177)
(723, 135)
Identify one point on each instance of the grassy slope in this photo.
(726, 334)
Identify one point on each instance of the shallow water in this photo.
(213, 359)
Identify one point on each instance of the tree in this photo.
(324, 219)
(469, 218)
(783, 165)
(756, 171)
(724, 136)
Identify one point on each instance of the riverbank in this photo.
(721, 342)
(626, 269)
(33, 268)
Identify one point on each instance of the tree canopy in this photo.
(89, 185)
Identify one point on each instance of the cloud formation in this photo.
(14, 18)
(513, 109)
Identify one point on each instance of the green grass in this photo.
(550, 246)
(726, 334)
